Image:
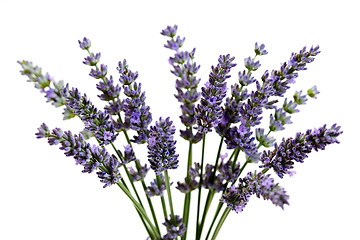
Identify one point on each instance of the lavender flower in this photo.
(260, 50)
(241, 138)
(175, 228)
(90, 157)
(191, 183)
(156, 187)
(208, 112)
(186, 85)
(95, 121)
(169, 31)
(251, 65)
(254, 183)
(85, 44)
(44, 82)
(290, 107)
(312, 92)
(282, 158)
(262, 185)
(110, 92)
(161, 146)
(263, 139)
(278, 120)
(280, 79)
(92, 60)
(139, 174)
(299, 99)
(129, 154)
(137, 113)
(245, 78)
(236, 198)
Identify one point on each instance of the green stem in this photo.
(158, 180)
(214, 219)
(211, 193)
(235, 154)
(221, 222)
(187, 199)
(200, 183)
(167, 183)
(128, 175)
(209, 199)
(141, 210)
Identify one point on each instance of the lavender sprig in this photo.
(185, 69)
(95, 121)
(161, 146)
(208, 111)
(137, 113)
(47, 85)
(90, 157)
(259, 184)
(110, 91)
(291, 150)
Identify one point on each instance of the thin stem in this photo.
(209, 199)
(167, 183)
(211, 192)
(128, 174)
(214, 219)
(140, 209)
(187, 199)
(221, 222)
(158, 181)
(200, 183)
(236, 155)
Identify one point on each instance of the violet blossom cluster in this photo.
(90, 157)
(208, 111)
(259, 184)
(161, 146)
(291, 150)
(109, 91)
(185, 69)
(95, 120)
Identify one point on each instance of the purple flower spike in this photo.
(95, 121)
(291, 150)
(161, 152)
(185, 69)
(254, 184)
(208, 111)
(90, 157)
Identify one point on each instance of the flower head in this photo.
(161, 151)
(208, 111)
(291, 150)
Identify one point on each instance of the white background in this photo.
(45, 196)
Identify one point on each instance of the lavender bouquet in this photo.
(234, 115)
